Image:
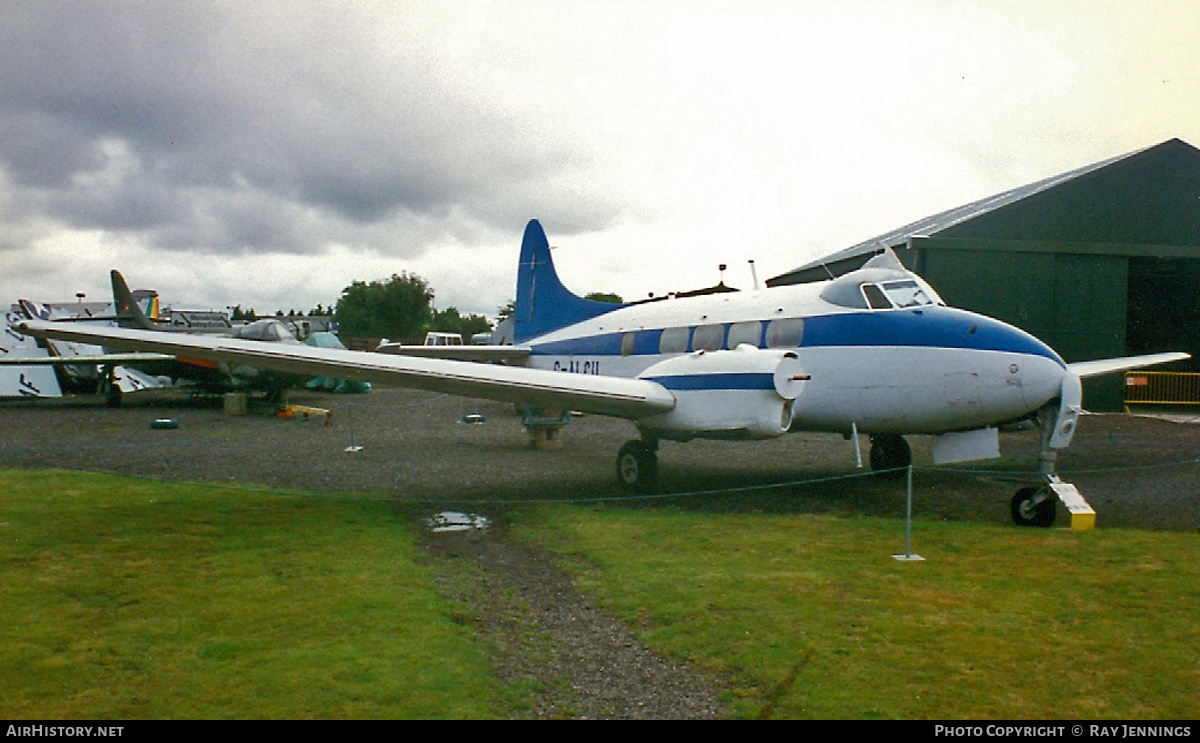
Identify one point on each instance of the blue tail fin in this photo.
(543, 303)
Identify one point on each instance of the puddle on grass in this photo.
(456, 521)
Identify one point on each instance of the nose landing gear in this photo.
(1038, 505)
(1034, 506)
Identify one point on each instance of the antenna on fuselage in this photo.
(754, 275)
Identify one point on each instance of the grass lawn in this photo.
(129, 599)
(811, 617)
(124, 599)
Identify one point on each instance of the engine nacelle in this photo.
(746, 393)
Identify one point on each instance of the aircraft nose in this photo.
(1034, 367)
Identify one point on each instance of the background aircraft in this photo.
(206, 375)
(875, 351)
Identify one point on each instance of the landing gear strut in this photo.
(109, 386)
(1038, 505)
(637, 465)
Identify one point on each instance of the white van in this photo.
(443, 339)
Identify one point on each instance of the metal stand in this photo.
(350, 417)
(908, 556)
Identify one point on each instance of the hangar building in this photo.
(1098, 262)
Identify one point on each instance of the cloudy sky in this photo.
(270, 153)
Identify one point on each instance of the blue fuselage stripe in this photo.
(731, 381)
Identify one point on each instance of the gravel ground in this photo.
(1137, 472)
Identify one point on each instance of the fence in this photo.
(1162, 388)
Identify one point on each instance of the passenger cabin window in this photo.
(673, 340)
(744, 332)
(708, 337)
(785, 332)
(627, 343)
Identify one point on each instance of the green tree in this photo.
(604, 297)
(399, 308)
(450, 321)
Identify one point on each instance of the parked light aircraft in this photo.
(206, 374)
(875, 351)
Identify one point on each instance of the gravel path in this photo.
(1136, 472)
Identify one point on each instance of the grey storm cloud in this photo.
(232, 128)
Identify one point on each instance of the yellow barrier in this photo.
(1162, 388)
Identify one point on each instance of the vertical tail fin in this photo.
(128, 312)
(543, 303)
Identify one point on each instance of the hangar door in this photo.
(1164, 308)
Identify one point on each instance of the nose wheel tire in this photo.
(637, 467)
(1034, 507)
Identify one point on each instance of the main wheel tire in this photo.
(890, 453)
(637, 467)
(1028, 511)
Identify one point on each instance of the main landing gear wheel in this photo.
(637, 466)
(890, 452)
(1034, 507)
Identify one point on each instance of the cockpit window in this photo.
(906, 294)
(876, 299)
(264, 330)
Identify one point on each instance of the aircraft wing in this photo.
(458, 353)
(106, 358)
(1107, 366)
(616, 396)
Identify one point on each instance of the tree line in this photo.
(400, 308)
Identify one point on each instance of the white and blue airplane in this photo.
(875, 351)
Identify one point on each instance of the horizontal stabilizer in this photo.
(1125, 363)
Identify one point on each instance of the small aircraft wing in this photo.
(105, 358)
(458, 353)
(1107, 366)
(616, 396)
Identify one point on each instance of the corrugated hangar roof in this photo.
(852, 257)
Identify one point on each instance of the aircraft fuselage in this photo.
(924, 369)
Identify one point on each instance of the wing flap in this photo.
(616, 396)
(458, 353)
